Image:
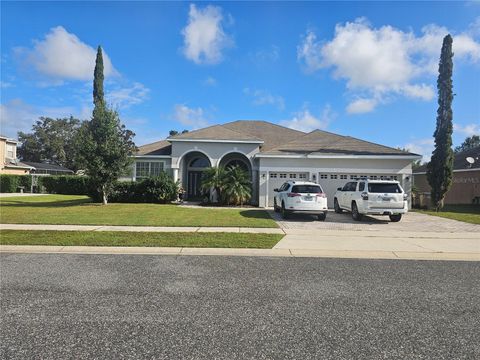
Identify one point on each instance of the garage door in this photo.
(331, 181)
(276, 179)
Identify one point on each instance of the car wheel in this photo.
(322, 216)
(395, 218)
(337, 207)
(284, 212)
(275, 206)
(355, 214)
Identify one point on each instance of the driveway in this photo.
(165, 307)
(411, 222)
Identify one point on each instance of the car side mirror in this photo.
(339, 189)
(275, 190)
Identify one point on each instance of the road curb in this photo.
(186, 251)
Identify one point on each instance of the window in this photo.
(302, 176)
(284, 187)
(307, 189)
(351, 186)
(343, 177)
(145, 169)
(373, 177)
(273, 175)
(199, 162)
(384, 188)
(323, 176)
(283, 176)
(333, 177)
(293, 176)
(10, 151)
(361, 187)
(352, 177)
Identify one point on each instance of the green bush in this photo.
(67, 185)
(160, 189)
(10, 183)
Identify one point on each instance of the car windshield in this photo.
(384, 188)
(310, 189)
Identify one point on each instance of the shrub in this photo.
(67, 185)
(160, 189)
(10, 183)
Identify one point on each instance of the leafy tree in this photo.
(469, 143)
(175, 132)
(51, 141)
(105, 146)
(440, 168)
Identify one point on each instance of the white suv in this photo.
(372, 197)
(302, 197)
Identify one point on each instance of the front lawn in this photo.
(465, 213)
(79, 210)
(111, 238)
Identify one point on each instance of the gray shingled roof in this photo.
(216, 132)
(45, 166)
(271, 134)
(162, 147)
(277, 140)
(459, 161)
(326, 143)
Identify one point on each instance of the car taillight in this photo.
(322, 195)
(293, 195)
(364, 196)
(405, 196)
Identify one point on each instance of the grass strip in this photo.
(114, 238)
(466, 213)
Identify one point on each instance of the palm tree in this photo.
(214, 178)
(237, 185)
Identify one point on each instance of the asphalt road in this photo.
(212, 307)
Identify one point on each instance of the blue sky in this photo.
(364, 69)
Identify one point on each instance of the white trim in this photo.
(338, 171)
(236, 152)
(218, 141)
(308, 156)
(455, 171)
(180, 158)
(153, 156)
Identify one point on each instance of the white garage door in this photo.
(276, 179)
(331, 181)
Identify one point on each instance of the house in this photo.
(466, 178)
(8, 158)
(48, 169)
(272, 154)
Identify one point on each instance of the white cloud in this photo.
(383, 61)
(128, 96)
(263, 97)
(210, 81)
(16, 115)
(422, 147)
(63, 56)
(191, 117)
(360, 106)
(304, 120)
(467, 130)
(204, 37)
(5, 84)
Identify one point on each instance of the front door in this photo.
(194, 181)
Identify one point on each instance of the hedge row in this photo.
(161, 189)
(11, 183)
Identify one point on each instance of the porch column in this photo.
(175, 174)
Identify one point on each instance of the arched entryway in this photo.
(194, 163)
(236, 159)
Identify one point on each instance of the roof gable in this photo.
(162, 147)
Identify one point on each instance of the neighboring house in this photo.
(48, 169)
(466, 178)
(8, 158)
(272, 154)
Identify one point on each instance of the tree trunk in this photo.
(104, 196)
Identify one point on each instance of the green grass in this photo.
(112, 238)
(79, 210)
(465, 213)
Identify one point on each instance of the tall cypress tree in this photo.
(98, 96)
(105, 146)
(440, 168)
